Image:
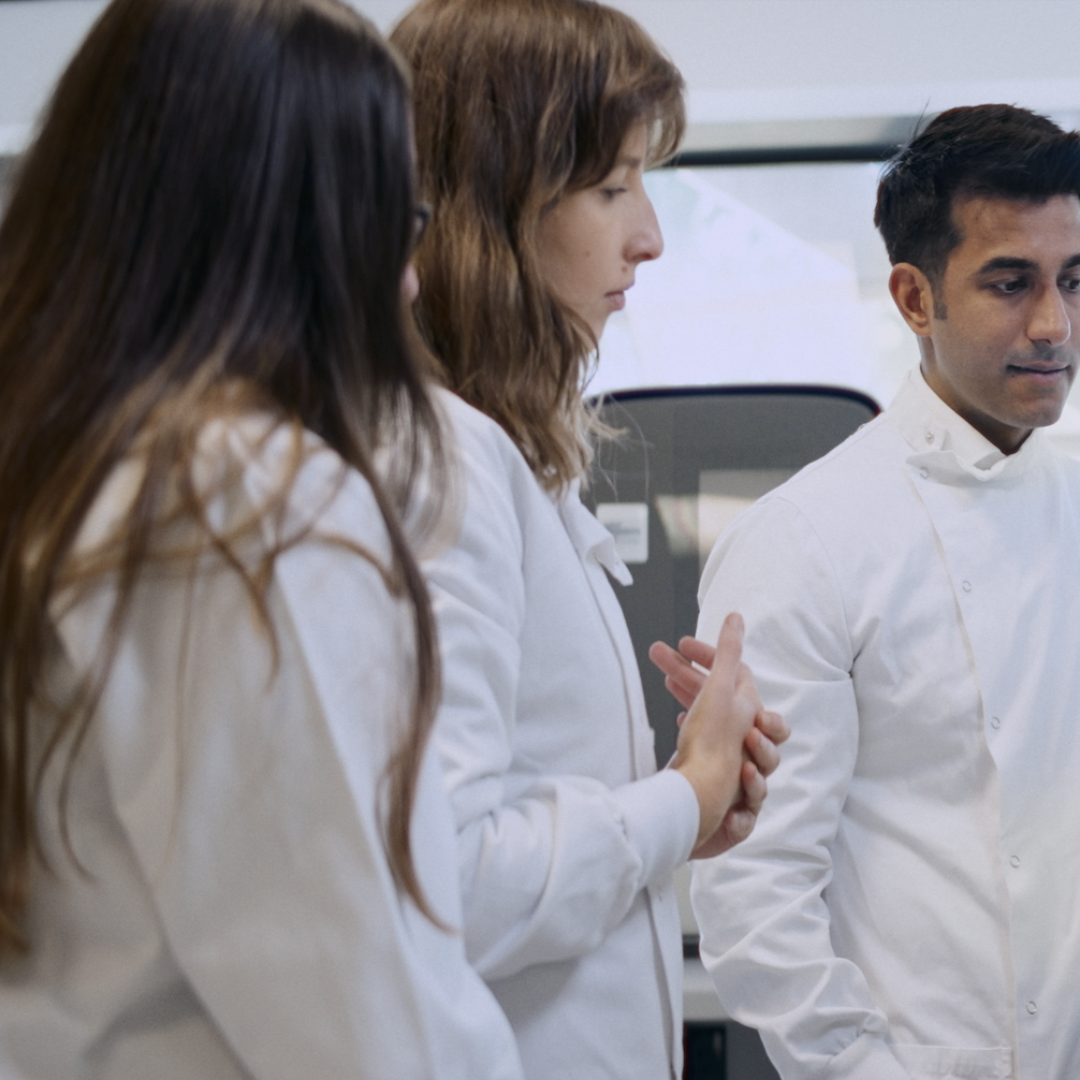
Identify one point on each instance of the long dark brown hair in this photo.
(518, 103)
(216, 215)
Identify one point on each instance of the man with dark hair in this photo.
(909, 904)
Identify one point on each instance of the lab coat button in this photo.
(930, 437)
(995, 723)
(1015, 860)
(924, 472)
(967, 586)
(1032, 1008)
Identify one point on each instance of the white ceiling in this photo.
(757, 70)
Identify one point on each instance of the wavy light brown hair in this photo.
(518, 103)
(215, 217)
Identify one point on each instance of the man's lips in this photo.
(1040, 368)
(1043, 364)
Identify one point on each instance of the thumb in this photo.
(729, 650)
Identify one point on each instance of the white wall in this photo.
(36, 39)
(758, 70)
(767, 60)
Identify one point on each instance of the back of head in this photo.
(519, 102)
(219, 208)
(215, 178)
(995, 151)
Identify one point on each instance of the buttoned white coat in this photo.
(909, 904)
(567, 835)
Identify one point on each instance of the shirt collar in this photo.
(948, 430)
(589, 537)
(946, 444)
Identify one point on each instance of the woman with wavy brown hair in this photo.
(223, 849)
(535, 120)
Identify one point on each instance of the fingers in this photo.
(726, 713)
(755, 788)
(773, 726)
(665, 657)
(673, 665)
(736, 827)
(668, 660)
(697, 652)
(762, 751)
(682, 681)
(679, 692)
(740, 820)
(724, 747)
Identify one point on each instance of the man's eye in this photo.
(1013, 285)
(1071, 284)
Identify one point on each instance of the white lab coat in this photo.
(568, 836)
(909, 904)
(237, 917)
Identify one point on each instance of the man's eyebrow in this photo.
(1007, 262)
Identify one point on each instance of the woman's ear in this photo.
(913, 296)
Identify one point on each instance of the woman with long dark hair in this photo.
(535, 120)
(224, 850)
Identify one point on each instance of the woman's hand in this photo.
(758, 752)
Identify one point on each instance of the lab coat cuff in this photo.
(868, 1055)
(661, 817)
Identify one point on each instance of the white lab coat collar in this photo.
(947, 446)
(588, 536)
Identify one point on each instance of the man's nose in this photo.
(1050, 323)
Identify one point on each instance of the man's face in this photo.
(1006, 351)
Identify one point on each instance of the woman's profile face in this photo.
(590, 243)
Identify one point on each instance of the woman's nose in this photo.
(646, 241)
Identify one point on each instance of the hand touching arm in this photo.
(760, 756)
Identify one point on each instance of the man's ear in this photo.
(911, 292)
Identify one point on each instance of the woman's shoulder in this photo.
(483, 451)
(495, 475)
(287, 485)
(260, 458)
(503, 514)
(251, 474)
(478, 437)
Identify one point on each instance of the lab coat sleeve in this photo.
(762, 907)
(550, 864)
(249, 787)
